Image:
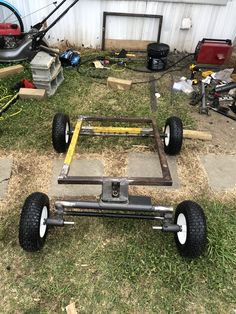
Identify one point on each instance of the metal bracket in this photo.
(115, 191)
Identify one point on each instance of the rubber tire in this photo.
(29, 236)
(196, 240)
(176, 136)
(58, 132)
(12, 9)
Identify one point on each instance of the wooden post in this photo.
(198, 135)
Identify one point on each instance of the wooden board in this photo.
(118, 44)
(31, 93)
(11, 70)
(198, 135)
(120, 84)
(233, 76)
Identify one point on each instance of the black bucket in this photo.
(157, 56)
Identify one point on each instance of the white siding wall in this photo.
(83, 24)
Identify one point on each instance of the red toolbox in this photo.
(213, 51)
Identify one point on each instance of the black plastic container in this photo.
(157, 56)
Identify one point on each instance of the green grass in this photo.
(109, 266)
(118, 266)
(31, 128)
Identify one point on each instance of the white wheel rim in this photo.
(167, 135)
(43, 226)
(182, 235)
(67, 136)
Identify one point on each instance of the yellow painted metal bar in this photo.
(116, 130)
(73, 143)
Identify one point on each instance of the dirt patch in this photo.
(30, 172)
(223, 132)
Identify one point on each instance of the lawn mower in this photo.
(15, 44)
(189, 223)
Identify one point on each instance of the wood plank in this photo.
(31, 93)
(118, 44)
(198, 135)
(120, 84)
(233, 76)
(11, 70)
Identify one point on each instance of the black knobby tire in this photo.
(60, 127)
(13, 10)
(30, 236)
(173, 136)
(196, 234)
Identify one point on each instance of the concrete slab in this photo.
(79, 168)
(5, 174)
(148, 165)
(221, 171)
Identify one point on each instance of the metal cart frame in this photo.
(115, 196)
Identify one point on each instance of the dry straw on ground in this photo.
(32, 172)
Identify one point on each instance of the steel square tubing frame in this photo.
(165, 180)
(105, 14)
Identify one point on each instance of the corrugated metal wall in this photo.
(83, 24)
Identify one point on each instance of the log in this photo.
(11, 70)
(32, 93)
(197, 135)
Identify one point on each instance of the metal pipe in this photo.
(38, 36)
(117, 119)
(104, 206)
(166, 181)
(163, 209)
(61, 16)
(89, 133)
(203, 108)
(40, 24)
(115, 206)
(112, 215)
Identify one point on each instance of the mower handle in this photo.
(37, 38)
(39, 25)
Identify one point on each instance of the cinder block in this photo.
(43, 61)
(120, 84)
(46, 75)
(45, 67)
(50, 86)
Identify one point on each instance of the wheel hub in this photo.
(182, 235)
(167, 135)
(67, 136)
(43, 226)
